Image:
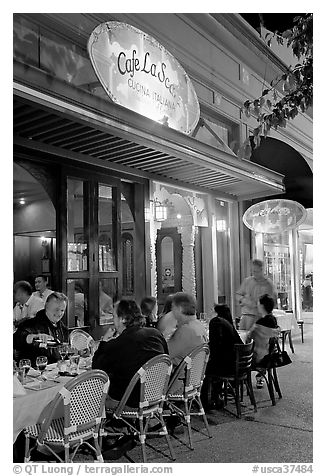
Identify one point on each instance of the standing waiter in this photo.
(251, 289)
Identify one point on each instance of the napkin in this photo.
(17, 387)
(33, 373)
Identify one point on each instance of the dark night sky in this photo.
(272, 21)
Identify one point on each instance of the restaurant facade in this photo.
(126, 175)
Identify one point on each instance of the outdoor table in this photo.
(288, 326)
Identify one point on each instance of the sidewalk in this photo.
(279, 434)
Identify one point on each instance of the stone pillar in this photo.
(188, 259)
(154, 226)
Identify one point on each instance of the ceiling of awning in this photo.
(51, 131)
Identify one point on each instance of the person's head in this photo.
(257, 268)
(40, 283)
(183, 306)
(148, 305)
(265, 304)
(222, 310)
(127, 313)
(168, 304)
(22, 291)
(55, 306)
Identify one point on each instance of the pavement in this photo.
(274, 434)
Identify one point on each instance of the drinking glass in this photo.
(69, 351)
(62, 349)
(41, 363)
(24, 366)
(74, 361)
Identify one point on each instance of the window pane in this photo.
(77, 249)
(106, 242)
(107, 295)
(167, 265)
(77, 291)
(223, 252)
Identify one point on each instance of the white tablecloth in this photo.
(286, 321)
(28, 409)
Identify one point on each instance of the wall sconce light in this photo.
(179, 216)
(220, 225)
(22, 201)
(161, 211)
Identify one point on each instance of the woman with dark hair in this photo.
(122, 356)
(222, 310)
(222, 337)
(261, 332)
(167, 323)
(148, 308)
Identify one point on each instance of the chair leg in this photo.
(270, 386)
(283, 340)
(167, 436)
(225, 388)
(237, 398)
(290, 342)
(202, 412)
(187, 418)
(27, 455)
(98, 451)
(301, 326)
(251, 392)
(142, 439)
(276, 383)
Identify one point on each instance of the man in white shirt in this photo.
(251, 289)
(41, 288)
(27, 305)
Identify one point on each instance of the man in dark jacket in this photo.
(36, 336)
(121, 357)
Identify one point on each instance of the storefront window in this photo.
(277, 266)
(106, 242)
(77, 292)
(77, 242)
(223, 252)
(107, 295)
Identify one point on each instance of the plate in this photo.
(68, 374)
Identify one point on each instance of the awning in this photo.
(65, 121)
(298, 177)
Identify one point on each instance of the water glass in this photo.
(24, 366)
(74, 361)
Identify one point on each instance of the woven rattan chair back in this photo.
(196, 366)
(153, 378)
(83, 400)
(80, 340)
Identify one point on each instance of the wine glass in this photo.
(24, 366)
(41, 363)
(62, 349)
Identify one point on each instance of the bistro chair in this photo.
(153, 378)
(190, 375)
(269, 373)
(83, 399)
(233, 383)
(81, 340)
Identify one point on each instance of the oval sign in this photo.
(274, 216)
(138, 73)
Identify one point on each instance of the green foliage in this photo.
(272, 109)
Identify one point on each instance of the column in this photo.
(188, 259)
